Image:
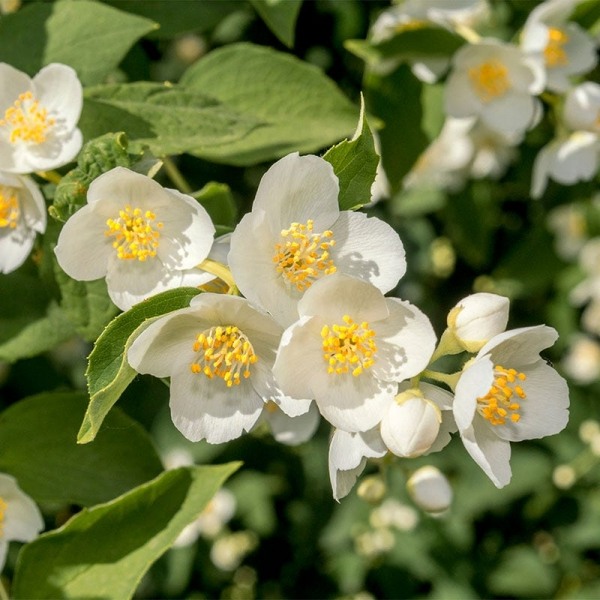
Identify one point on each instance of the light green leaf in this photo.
(108, 371)
(169, 119)
(38, 447)
(297, 106)
(219, 203)
(38, 336)
(103, 552)
(280, 16)
(355, 164)
(89, 36)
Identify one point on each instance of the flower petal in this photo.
(475, 382)
(59, 90)
(292, 430)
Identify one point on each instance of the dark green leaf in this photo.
(280, 16)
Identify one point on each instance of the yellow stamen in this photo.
(554, 53)
(501, 401)
(348, 348)
(490, 80)
(3, 507)
(303, 256)
(9, 207)
(28, 121)
(223, 352)
(136, 235)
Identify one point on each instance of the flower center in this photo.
(135, 232)
(554, 53)
(500, 403)
(303, 256)
(3, 507)
(9, 207)
(29, 122)
(224, 352)
(348, 347)
(490, 80)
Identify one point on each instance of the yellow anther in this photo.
(554, 53)
(224, 352)
(497, 405)
(3, 507)
(28, 121)
(348, 348)
(136, 235)
(302, 256)
(9, 207)
(490, 80)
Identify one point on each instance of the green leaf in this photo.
(396, 100)
(280, 16)
(38, 447)
(89, 36)
(219, 203)
(39, 335)
(103, 552)
(355, 164)
(167, 118)
(297, 106)
(108, 371)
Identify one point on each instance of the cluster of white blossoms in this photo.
(38, 133)
(492, 93)
(311, 334)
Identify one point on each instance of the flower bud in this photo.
(478, 318)
(372, 489)
(430, 490)
(411, 424)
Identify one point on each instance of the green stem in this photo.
(467, 33)
(51, 176)
(175, 175)
(449, 380)
(221, 271)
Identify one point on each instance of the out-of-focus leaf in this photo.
(104, 551)
(218, 201)
(280, 16)
(108, 371)
(89, 36)
(297, 107)
(38, 447)
(355, 164)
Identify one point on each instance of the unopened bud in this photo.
(372, 489)
(430, 490)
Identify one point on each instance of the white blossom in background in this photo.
(497, 83)
(348, 454)
(582, 360)
(20, 518)
(412, 425)
(588, 290)
(575, 154)
(287, 430)
(493, 151)
(22, 216)
(569, 225)
(430, 490)
(567, 49)
(508, 393)
(349, 350)
(296, 235)
(38, 118)
(140, 236)
(219, 354)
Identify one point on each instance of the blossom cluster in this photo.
(493, 92)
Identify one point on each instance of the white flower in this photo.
(20, 518)
(412, 424)
(349, 349)
(495, 82)
(348, 454)
(582, 108)
(219, 354)
(493, 151)
(296, 235)
(478, 318)
(139, 235)
(567, 49)
(430, 490)
(290, 430)
(38, 118)
(508, 393)
(582, 361)
(22, 214)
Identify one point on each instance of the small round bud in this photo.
(430, 490)
(372, 489)
(564, 477)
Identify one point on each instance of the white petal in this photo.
(59, 90)
(342, 482)
(490, 452)
(293, 430)
(475, 382)
(541, 171)
(519, 347)
(459, 98)
(296, 189)
(368, 248)
(442, 398)
(15, 247)
(346, 450)
(206, 409)
(510, 114)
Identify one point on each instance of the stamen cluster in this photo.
(9, 207)
(29, 121)
(499, 403)
(136, 236)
